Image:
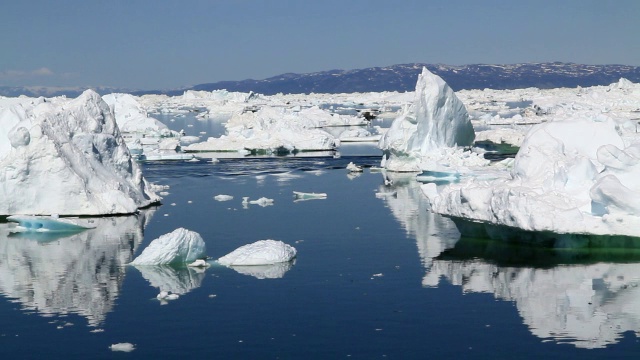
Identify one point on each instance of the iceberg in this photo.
(427, 133)
(569, 177)
(67, 157)
(262, 252)
(180, 247)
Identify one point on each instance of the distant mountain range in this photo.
(396, 78)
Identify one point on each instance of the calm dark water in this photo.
(377, 276)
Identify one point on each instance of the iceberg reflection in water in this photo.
(82, 273)
(176, 280)
(585, 296)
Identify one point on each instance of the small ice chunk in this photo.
(223, 197)
(172, 297)
(263, 201)
(199, 263)
(308, 196)
(262, 252)
(354, 168)
(178, 247)
(126, 347)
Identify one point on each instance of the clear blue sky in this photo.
(154, 44)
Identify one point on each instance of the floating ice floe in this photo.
(428, 134)
(263, 201)
(223, 197)
(67, 157)
(308, 196)
(179, 247)
(124, 347)
(262, 252)
(48, 224)
(569, 177)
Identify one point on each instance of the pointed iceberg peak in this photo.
(442, 118)
(436, 120)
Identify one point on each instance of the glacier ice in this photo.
(423, 137)
(66, 156)
(574, 176)
(262, 252)
(179, 247)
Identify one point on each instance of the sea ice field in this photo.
(292, 226)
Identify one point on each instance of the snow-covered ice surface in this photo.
(180, 247)
(262, 252)
(67, 157)
(573, 176)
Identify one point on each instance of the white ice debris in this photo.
(353, 167)
(428, 133)
(572, 176)
(262, 252)
(179, 247)
(223, 197)
(263, 201)
(67, 157)
(199, 263)
(125, 347)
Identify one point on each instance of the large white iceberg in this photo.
(67, 157)
(569, 177)
(426, 135)
(262, 252)
(179, 247)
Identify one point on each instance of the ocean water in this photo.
(377, 276)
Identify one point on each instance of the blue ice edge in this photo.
(28, 223)
(479, 229)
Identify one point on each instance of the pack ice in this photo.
(179, 247)
(272, 130)
(67, 157)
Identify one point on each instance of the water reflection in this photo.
(585, 297)
(272, 271)
(174, 280)
(80, 273)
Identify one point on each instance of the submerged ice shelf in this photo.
(48, 224)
